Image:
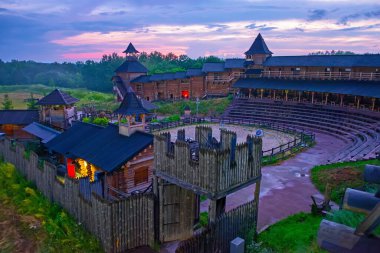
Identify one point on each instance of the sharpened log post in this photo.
(359, 201)
(370, 222)
(216, 208)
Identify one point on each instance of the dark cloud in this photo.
(369, 14)
(260, 27)
(299, 29)
(317, 14)
(358, 28)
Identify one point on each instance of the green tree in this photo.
(32, 103)
(7, 103)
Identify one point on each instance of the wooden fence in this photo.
(217, 236)
(302, 137)
(119, 225)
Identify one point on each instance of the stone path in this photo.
(283, 190)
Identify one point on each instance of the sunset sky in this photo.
(71, 30)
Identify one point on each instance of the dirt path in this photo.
(18, 233)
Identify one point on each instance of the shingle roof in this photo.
(148, 105)
(194, 72)
(213, 67)
(78, 134)
(57, 97)
(258, 47)
(359, 88)
(131, 65)
(131, 105)
(108, 150)
(234, 63)
(180, 75)
(18, 117)
(102, 146)
(325, 61)
(130, 49)
(43, 132)
(141, 79)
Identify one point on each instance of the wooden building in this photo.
(313, 78)
(12, 122)
(120, 155)
(57, 109)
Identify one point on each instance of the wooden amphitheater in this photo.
(359, 129)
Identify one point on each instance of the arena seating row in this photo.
(360, 130)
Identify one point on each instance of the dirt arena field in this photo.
(271, 138)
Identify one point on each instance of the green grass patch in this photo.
(349, 218)
(61, 233)
(296, 233)
(18, 93)
(209, 107)
(341, 176)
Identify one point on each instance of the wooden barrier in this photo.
(119, 225)
(217, 236)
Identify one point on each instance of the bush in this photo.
(97, 121)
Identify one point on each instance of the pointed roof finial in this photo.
(130, 49)
(258, 47)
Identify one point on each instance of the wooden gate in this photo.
(177, 212)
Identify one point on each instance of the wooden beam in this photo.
(370, 222)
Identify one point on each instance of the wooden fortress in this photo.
(186, 169)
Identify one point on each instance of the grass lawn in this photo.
(296, 233)
(18, 93)
(209, 107)
(31, 223)
(341, 176)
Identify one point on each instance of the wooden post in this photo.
(373, 103)
(249, 93)
(327, 95)
(216, 208)
(312, 97)
(341, 100)
(274, 94)
(257, 198)
(262, 92)
(299, 96)
(286, 95)
(370, 222)
(358, 104)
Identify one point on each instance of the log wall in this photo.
(217, 171)
(119, 225)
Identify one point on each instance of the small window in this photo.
(147, 98)
(347, 69)
(138, 87)
(327, 69)
(298, 69)
(141, 175)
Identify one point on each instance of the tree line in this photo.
(93, 75)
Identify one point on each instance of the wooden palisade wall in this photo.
(119, 225)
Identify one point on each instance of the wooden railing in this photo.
(228, 78)
(361, 76)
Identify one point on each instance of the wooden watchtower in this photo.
(206, 166)
(57, 109)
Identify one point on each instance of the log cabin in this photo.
(12, 123)
(342, 80)
(120, 155)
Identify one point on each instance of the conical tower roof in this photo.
(131, 105)
(57, 97)
(130, 49)
(258, 47)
